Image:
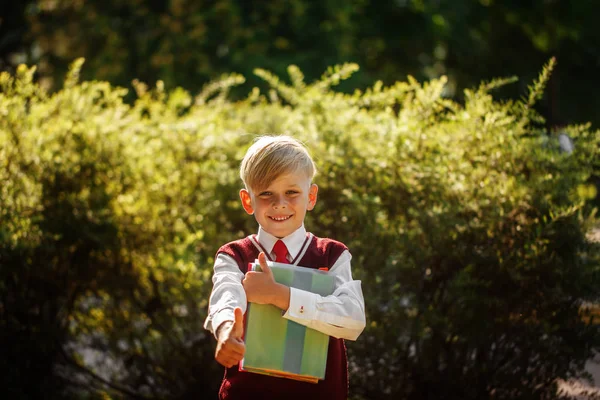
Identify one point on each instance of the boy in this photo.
(277, 172)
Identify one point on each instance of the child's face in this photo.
(281, 207)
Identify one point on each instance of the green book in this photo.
(280, 347)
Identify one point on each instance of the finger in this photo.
(262, 259)
(228, 357)
(231, 358)
(248, 279)
(238, 323)
(235, 347)
(249, 273)
(227, 361)
(239, 348)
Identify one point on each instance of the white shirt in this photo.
(341, 314)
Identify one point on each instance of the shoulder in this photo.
(328, 245)
(327, 242)
(237, 243)
(236, 247)
(322, 252)
(242, 251)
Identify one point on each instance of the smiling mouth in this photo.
(280, 219)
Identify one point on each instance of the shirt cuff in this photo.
(218, 319)
(303, 305)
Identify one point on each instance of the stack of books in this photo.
(279, 347)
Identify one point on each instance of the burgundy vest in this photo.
(246, 385)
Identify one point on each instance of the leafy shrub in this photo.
(466, 222)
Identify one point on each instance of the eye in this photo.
(264, 194)
(292, 192)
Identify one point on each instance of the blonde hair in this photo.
(272, 156)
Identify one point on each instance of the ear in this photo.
(246, 201)
(312, 196)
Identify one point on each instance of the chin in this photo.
(280, 233)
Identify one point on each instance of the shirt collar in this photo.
(293, 241)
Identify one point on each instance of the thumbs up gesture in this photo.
(260, 286)
(230, 346)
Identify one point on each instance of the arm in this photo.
(226, 309)
(341, 314)
(230, 346)
(227, 293)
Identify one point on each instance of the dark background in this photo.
(187, 43)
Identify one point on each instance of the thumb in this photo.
(262, 260)
(238, 323)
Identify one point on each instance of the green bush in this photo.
(466, 222)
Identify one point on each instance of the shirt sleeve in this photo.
(227, 293)
(341, 314)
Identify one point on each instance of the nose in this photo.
(279, 202)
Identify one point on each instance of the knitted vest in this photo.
(246, 385)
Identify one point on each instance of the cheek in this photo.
(262, 204)
(299, 203)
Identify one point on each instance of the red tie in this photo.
(280, 252)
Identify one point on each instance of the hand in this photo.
(259, 286)
(262, 288)
(230, 346)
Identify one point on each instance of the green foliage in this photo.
(187, 43)
(466, 222)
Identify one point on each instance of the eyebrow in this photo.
(292, 186)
